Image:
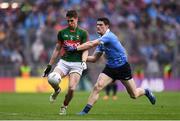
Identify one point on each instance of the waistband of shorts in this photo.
(126, 63)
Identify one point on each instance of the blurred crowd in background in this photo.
(149, 30)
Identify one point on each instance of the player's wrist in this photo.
(84, 65)
(49, 65)
(75, 49)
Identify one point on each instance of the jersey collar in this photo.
(108, 30)
(73, 30)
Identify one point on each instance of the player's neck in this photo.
(72, 29)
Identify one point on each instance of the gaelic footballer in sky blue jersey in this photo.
(117, 66)
(114, 51)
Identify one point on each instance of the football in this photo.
(54, 78)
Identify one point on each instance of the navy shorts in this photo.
(120, 73)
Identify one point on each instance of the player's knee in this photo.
(72, 88)
(98, 87)
(71, 91)
(54, 78)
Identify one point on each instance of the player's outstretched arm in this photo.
(84, 46)
(84, 59)
(88, 45)
(85, 55)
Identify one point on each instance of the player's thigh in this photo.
(130, 85)
(75, 74)
(74, 80)
(59, 71)
(103, 81)
(62, 68)
(76, 67)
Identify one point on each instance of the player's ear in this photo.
(107, 26)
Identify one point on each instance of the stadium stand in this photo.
(149, 29)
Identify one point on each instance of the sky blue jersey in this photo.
(114, 51)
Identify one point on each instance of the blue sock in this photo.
(87, 108)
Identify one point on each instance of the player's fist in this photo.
(70, 48)
(84, 65)
(47, 70)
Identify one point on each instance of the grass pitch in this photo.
(28, 106)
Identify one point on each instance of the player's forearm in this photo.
(91, 59)
(84, 46)
(55, 54)
(53, 58)
(88, 45)
(85, 55)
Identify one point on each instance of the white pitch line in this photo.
(9, 113)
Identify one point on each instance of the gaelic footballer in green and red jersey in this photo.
(72, 38)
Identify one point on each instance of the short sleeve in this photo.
(99, 49)
(85, 37)
(59, 36)
(104, 39)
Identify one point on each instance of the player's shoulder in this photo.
(82, 30)
(63, 30)
(111, 35)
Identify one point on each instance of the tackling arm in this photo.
(85, 55)
(88, 45)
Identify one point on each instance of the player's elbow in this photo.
(94, 60)
(91, 59)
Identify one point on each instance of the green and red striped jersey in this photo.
(73, 38)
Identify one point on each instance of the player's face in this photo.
(72, 22)
(101, 27)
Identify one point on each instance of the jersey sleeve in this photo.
(85, 37)
(99, 49)
(59, 36)
(104, 39)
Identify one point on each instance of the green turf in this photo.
(36, 106)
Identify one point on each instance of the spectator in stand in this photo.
(25, 70)
(114, 87)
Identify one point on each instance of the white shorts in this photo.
(69, 67)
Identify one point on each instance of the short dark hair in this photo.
(71, 13)
(105, 20)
